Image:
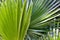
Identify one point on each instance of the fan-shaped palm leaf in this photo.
(43, 13)
(14, 19)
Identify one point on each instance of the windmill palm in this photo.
(27, 20)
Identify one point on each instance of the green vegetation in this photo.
(29, 19)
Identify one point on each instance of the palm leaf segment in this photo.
(14, 19)
(43, 15)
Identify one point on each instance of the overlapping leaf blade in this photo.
(14, 19)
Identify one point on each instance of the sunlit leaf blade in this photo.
(25, 21)
(8, 19)
(14, 19)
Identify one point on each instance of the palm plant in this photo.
(14, 19)
(27, 19)
(43, 13)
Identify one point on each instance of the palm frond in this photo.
(14, 19)
(44, 11)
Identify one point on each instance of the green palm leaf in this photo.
(27, 19)
(44, 11)
(14, 19)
